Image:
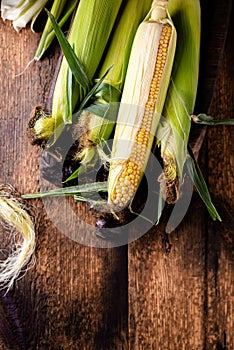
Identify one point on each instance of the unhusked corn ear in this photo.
(89, 34)
(100, 128)
(173, 133)
(144, 93)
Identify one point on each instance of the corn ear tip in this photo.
(35, 126)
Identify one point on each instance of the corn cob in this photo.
(89, 34)
(99, 128)
(145, 88)
(173, 133)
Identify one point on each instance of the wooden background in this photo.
(130, 297)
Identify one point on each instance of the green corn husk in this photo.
(21, 12)
(88, 37)
(99, 127)
(173, 133)
(59, 7)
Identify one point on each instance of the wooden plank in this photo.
(184, 300)
(166, 291)
(75, 297)
(220, 242)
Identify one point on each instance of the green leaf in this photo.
(81, 190)
(60, 7)
(199, 182)
(108, 93)
(208, 120)
(98, 108)
(69, 95)
(78, 198)
(76, 173)
(94, 89)
(104, 110)
(160, 207)
(73, 61)
(95, 203)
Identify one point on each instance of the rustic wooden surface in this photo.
(136, 297)
(185, 299)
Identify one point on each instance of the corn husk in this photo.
(15, 219)
(99, 126)
(174, 130)
(88, 37)
(61, 10)
(142, 69)
(21, 12)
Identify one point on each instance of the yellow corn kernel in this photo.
(142, 102)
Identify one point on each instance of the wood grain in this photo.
(220, 237)
(137, 297)
(75, 297)
(166, 291)
(184, 299)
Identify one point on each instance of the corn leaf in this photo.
(108, 93)
(69, 95)
(63, 7)
(91, 201)
(94, 90)
(74, 63)
(199, 182)
(76, 173)
(81, 190)
(104, 110)
(98, 108)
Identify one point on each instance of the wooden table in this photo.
(130, 297)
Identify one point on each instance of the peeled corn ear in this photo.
(144, 93)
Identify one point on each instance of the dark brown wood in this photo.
(74, 297)
(166, 291)
(220, 237)
(184, 299)
(137, 298)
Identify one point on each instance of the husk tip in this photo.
(39, 127)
